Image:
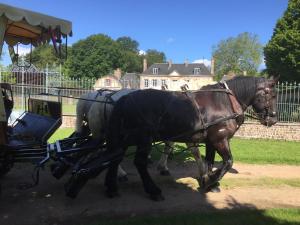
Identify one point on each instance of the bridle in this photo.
(267, 93)
(267, 110)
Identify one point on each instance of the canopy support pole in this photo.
(3, 22)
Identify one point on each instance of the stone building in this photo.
(130, 80)
(174, 76)
(111, 81)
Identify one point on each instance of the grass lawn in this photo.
(61, 133)
(266, 151)
(255, 151)
(261, 182)
(243, 150)
(69, 109)
(221, 217)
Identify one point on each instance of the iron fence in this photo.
(54, 82)
(288, 103)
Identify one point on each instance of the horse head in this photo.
(258, 92)
(264, 102)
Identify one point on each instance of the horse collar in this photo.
(235, 104)
(225, 85)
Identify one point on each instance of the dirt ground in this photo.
(47, 204)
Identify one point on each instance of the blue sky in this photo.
(181, 29)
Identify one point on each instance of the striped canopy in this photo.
(24, 26)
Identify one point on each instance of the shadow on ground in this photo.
(46, 203)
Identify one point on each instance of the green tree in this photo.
(94, 57)
(154, 56)
(128, 44)
(131, 61)
(238, 54)
(282, 53)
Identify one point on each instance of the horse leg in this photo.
(197, 156)
(141, 162)
(210, 153)
(111, 179)
(122, 175)
(209, 163)
(223, 150)
(163, 162)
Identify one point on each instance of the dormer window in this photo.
(197, 71)
(155, 70)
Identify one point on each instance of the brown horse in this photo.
(210, 116)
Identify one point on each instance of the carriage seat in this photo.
(32, 128)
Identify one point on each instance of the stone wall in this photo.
(280, 131)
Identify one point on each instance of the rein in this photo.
(255, 116)
(78, 98)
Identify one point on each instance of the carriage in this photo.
(26, 139)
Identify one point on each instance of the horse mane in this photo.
(243, 87)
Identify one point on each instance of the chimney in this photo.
(170, 64)
(186, 63)
(118, 73)
(145, 64)
(212, 66)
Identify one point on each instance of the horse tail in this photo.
(80, 116)
(115, 136)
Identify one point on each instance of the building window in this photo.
(154, 82)
(196, 70)
(107, 83)
(163, 82)
(146, 84)
(155, 70)
(126, 83)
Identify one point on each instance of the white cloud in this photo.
(206, 62)
(22, 50)
(170, 40)
(142, 52)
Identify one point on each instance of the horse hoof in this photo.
(157, 198)
(214, 188)
(234, 171)
(165, 173)
(74, 185)
(123, 179)
(112, 194)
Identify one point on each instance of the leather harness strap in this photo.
(236, 106)
(238, 112)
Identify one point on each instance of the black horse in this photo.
(210, 116)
